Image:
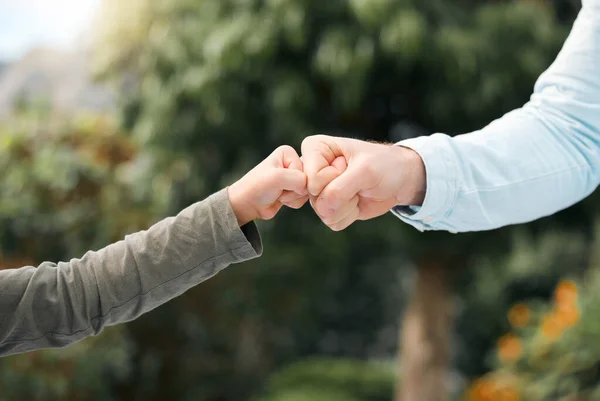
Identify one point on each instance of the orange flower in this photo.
(481, 390)
(552, 327)
(566, 292)
(509, 348)
(506, 393)
(519, 315)
(567, 314)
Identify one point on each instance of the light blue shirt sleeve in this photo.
(530, 163)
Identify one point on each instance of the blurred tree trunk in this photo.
(426, 334)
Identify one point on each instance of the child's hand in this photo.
(279, 180)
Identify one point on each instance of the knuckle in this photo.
(306, 142)
(298, 204)
(365, 166)
(267, 214)
(311, 140)
(333, 218)
(286, 149)
(331, 193)
(285, 199)
(324, 211)
(335, 227)
(314, 188)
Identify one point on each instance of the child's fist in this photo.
(278, 180)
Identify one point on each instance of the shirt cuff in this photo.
(441, 179)
(245, 240)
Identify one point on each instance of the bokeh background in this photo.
(114, 114)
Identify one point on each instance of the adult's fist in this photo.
(351, 180)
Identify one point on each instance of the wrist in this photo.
(244, 213)
(413, 184)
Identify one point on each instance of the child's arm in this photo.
(54, 305)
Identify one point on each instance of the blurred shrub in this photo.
(66, 186)
(85, 371)
(552, 351)
(332, 380)
(527, 275)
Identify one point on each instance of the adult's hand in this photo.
(351, 180)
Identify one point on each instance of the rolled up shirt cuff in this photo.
(248, 235)
(441, 179)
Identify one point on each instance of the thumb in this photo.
(318, 154)
(342, 190)
(288, 179)
(296, 164)
(340, 164)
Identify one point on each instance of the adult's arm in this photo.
(532, 162)
(54, 305)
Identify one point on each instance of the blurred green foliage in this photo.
(64, 189)
(547, 350)
(528, 274)
(66, 184)
(89, 370)
(331, 379)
